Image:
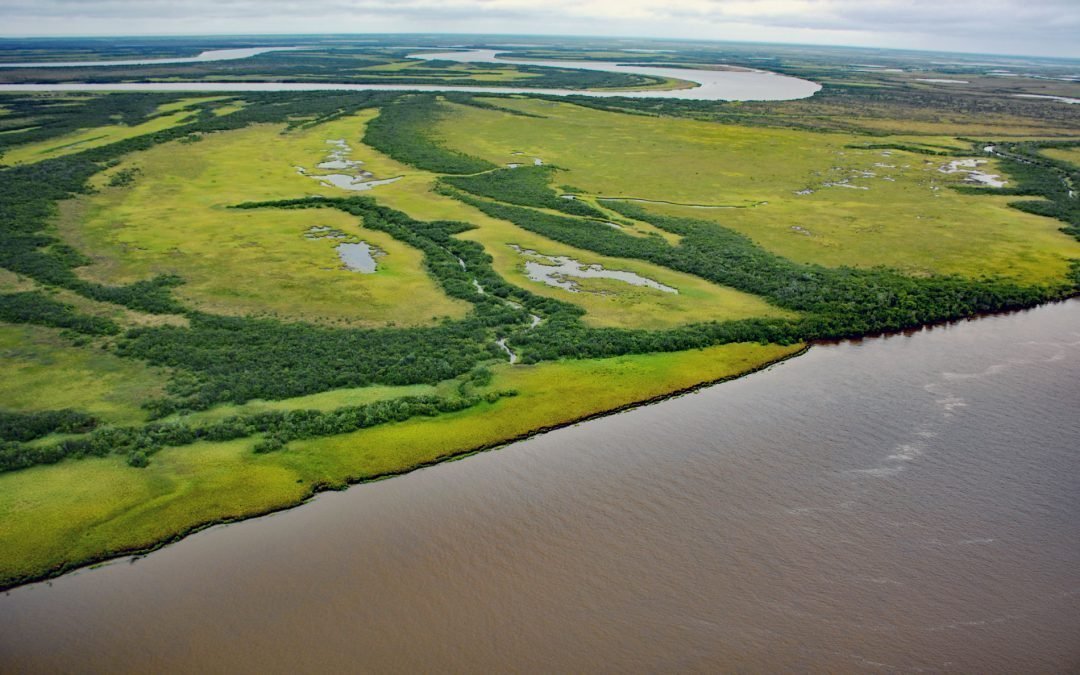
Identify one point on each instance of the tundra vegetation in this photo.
(182, 344)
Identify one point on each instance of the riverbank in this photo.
(826, 515)
(55, 519)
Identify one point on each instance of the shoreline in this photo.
(351, 481)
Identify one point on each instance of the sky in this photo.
(1035, 27)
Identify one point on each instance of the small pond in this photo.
(554, 270)
(359, 257)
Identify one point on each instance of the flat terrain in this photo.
(40, 370)
(862, 207)
(249, 262)
(183, 342)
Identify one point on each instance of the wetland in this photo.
(216, 306)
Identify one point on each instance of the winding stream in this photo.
(900, 504)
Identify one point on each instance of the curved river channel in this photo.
(897, 504)
(712, 85)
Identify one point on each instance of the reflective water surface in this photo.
(203, 57)
(899, 504)
(712, 85)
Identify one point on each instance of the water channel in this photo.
(712, 85)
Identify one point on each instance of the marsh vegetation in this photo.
(200, 322)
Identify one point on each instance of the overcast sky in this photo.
(1039, 27)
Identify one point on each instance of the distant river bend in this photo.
(712, 85)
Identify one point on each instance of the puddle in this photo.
(355, 183)
(970, 167)
(338, 160)
(359, 257)
(940, 80)
(559, 272)
(843, 183)
(324, 232)
(1062, 99)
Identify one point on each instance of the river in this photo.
(712, 85)
(897, 504)
(203, 57)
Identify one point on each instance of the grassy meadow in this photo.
(748, 178)
(249, 262)
(1070, 155)
(258, 262)
(41, 370)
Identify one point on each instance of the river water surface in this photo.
(203, 57)
(899, 504)
(711, 85)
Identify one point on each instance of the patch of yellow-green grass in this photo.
(81, 510)
(123, 316)
(915, 223)
(39, 370)
(392, 67)
(448, 73)
(258, 261)
(175, 219)
(961, 124)
(929, 142)
(907, 217)
(1070, 155)
(229, 108)
(89, 138)
(325, 401)
(185, 103)
(17, 131)
(11, 282)
(623, 305)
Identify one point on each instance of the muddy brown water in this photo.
(900, 504)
